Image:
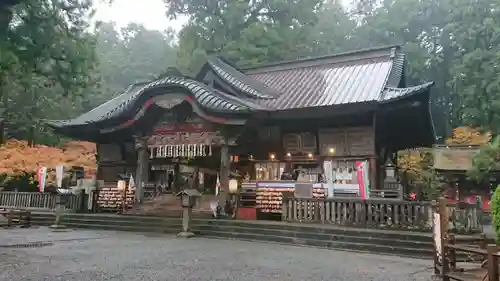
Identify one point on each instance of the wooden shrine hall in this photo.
(277, 118)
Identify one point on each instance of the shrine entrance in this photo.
(184, 153)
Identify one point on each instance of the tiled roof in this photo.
(363, 76)
(326, 85)
(241, 82)
(205, 96)
(372, 75)
(391, 94)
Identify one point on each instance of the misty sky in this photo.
(150, 13)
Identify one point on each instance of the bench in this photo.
(16, 217)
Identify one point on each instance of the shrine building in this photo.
(319, 116)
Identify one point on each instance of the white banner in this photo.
(131, 184)
(59, 175)
(328, 172)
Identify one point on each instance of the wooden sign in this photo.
(171, 128)
(186, 138)
(454, 159)
(193, 131)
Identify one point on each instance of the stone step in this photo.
(321, 230)
(316, 236)
(206, 229)
(348, 243)
(366, 247)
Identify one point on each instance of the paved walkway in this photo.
(103, 255)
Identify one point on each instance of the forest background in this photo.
(54, 65)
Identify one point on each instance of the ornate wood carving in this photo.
(193, 131)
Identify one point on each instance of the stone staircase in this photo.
(409, 244)
(168, 205)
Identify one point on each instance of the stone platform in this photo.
(117, 256)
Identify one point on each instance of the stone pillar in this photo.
(142, 170)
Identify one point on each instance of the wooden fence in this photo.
(378, 213)
(486, 257)
(41, 201)
(462, 258)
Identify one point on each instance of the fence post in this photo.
(284, 209)
(483, 242)
(492, 262)
(452, 252)
(443, 230)
(81, 202)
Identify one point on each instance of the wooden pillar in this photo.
(373, 173)
(196, 178)
(225, 166)
(177, 177)
(141, 174)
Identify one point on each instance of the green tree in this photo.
(246, 32)
(47, 55)
(334, 31)
(453, 42)
(495, 211)
(129, 55)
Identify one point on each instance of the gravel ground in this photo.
(106, 255)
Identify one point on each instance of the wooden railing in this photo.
(376, 213)
(486, 266)
(37, 200)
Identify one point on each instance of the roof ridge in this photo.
(240, 81)
(289, 64)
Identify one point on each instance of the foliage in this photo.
(246, 32)
(129, 55)
(468, 136)
(487, 160)
(446, 41)
(20, 159)
(47, 59)
(495, 211)
(416, 166)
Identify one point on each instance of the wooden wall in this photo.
(114, 159)
(350, 141)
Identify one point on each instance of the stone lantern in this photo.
(188, 202)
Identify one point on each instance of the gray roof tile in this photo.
(207, 97)
(391, 94)
(326, 85)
